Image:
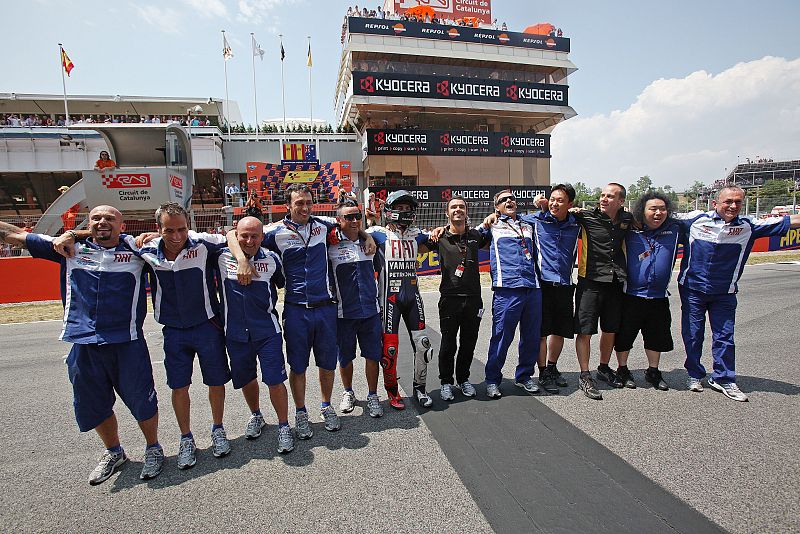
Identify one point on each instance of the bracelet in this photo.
(73, 234)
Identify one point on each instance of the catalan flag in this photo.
(309, 63)
(66, 62)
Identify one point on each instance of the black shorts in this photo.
(595, 300)
(651, 317)
(557, 312)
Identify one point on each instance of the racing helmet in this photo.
(403, 218)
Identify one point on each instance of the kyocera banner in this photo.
(451, 9)
(453, 88)
(457, 33)
(456, 143)
(477, 193)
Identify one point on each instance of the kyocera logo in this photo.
(380, 138)
(512, 93)
(122, 181)
(368, 84)
(443, 88)
(445, 138)
(447, 194)
(176, 181)
(505, 141)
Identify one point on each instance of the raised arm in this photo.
(63, 243)
(13, 235)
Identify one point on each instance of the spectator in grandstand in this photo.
(105, 162)
(109, 353)
(460, 303)
(517, 297)
(504, 27)
(359, 318)
(651, 250)
(716, 246)
(601, 275)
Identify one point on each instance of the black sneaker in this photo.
(547, 381)
(656, 380)
(624, 375)
(556, 375)
(586, 384)
(608, 375)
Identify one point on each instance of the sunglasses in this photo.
(505, 199)
(352, 216)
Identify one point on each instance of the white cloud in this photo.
(208, 8)
(682, 130)
(166, 19)
(256, 11)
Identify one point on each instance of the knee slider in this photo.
(422, 345)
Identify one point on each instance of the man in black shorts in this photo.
(601, 274)
(460, 304)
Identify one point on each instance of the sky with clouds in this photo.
(677, 90)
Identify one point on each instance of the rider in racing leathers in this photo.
(396, 263)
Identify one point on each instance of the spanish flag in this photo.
(308, 63)
(66, 62)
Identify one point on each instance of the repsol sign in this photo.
(452, 88)
(456, 143)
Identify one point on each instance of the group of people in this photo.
(29, 121)
(347, 287)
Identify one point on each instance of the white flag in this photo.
(257, 50)
(227, 53)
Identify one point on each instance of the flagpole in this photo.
(255, 98)
(283, 92)
(226, 110)
(310, 92)
(63, 83)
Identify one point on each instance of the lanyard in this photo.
(521, 236)
(299, 235)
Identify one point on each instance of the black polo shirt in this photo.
(455, 250)
(602, 252)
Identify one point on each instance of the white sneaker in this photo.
(423, 398)
(374, 406)
(285, 439)
(729, 389)
(109, 462)
(187, 455)
(330, 418)
(529, 385)
(446, 392)
(694, 384)
(493, 391)
(348, 401)
(220, 446)
(467, 389)
(254, 426)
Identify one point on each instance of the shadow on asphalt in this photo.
(354, 434)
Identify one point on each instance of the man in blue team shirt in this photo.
(103, 289)
(309, 313)
(359, 311)
(716, 246)
(556, 237)
(185, 302)
(252, 329)
(651, 253)
(517, 297)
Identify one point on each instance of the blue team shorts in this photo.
(310, 328)
(97, 371)
(243, 356)
(207, 340)
(369, 333)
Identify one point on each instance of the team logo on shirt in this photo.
(120, 257)
(190, 254)
(735, 230)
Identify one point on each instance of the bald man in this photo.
(103, 292)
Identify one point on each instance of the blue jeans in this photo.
(721, 311)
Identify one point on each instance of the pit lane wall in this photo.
(33, 280)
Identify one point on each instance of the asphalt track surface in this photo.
(640, 460)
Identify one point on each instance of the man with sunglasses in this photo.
(517, 297)
(359, 312)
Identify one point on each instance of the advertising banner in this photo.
(456, 143)
(451, 9)
(457, 88)
(466, 34)
(134, 188)
(477, 193)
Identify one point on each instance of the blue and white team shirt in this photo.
(354, 276)
(556, 244)
(512, 256)
(103, 290)
(249, 311)
(651, 256)
(184, 290)
(715, 252)
(303, 251)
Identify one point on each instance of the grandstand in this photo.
(754, 174)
